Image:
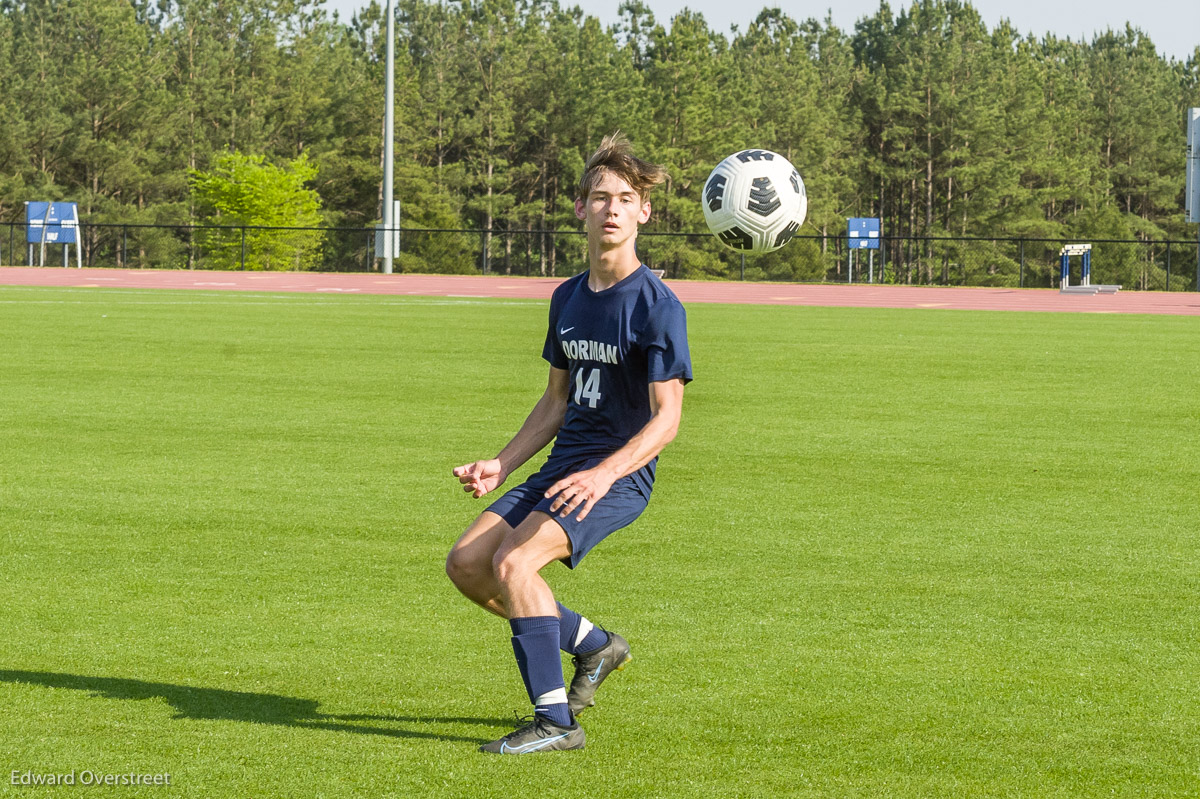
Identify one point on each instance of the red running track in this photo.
(856, 296)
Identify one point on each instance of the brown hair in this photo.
(616, 155)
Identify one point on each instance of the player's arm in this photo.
(539, 429)
(586, 488)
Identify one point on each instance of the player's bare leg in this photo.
(469, 564)
(537, 542)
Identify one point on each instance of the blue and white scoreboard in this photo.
(52, 223)
(863, 233)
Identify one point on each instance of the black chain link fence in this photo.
(1138, 265)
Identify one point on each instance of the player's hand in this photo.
(582, 489)
(480, 477)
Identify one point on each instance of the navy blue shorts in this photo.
(623, 503)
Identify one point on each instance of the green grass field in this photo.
(891, 554)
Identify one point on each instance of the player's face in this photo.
(612, 211)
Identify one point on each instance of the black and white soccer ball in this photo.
(754, 201)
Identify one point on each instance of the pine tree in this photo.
(13, 142)
(688, 79)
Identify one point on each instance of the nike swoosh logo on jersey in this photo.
(564, 331)
(532, 746)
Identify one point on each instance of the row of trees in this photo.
(922, 116)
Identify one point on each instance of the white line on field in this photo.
(409, 301)
(210, 297)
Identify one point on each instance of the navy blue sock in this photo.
(576, 634)
(535, 643)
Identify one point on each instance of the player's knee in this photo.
(462, 570)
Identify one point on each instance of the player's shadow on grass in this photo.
(219, 704)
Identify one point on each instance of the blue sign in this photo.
(51, 223)
(863, 233)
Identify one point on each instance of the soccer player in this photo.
(618, 354)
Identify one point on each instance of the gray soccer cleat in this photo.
(592, 667)
(540, 735)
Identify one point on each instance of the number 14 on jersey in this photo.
(588, 389)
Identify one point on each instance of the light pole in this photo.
(388, 135)
(1191, 202)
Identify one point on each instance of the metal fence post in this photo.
(243, 248)
(1021, 279)
(1168, 266)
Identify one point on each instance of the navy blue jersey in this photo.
(614, 343)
